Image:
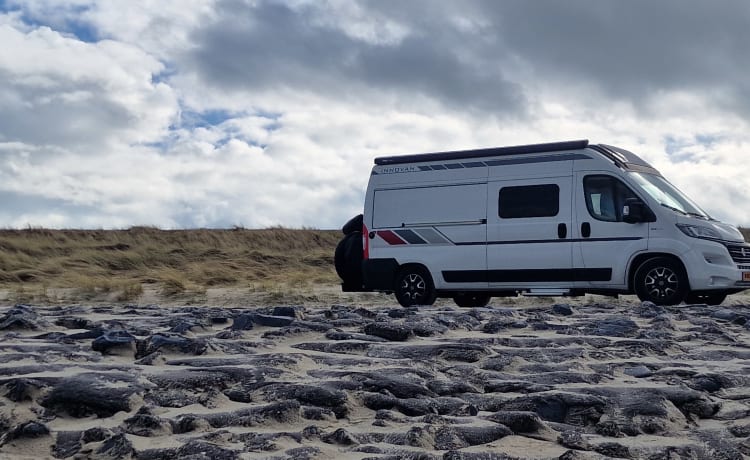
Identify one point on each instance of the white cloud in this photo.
(215, 113)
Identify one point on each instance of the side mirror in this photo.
(635, 211)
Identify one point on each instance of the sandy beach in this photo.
(522, 378)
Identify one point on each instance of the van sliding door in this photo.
(529, 233)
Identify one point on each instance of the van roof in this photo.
(621, 157)
(479, 153)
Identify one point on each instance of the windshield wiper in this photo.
(675, 209)
(695, 214)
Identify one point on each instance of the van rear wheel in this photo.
(471, 299)
(662, 281)
(414, 286)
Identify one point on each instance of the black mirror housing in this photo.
(635, 211)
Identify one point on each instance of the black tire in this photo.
(662, 281)
(354, 225)
(348, 259)
(414, 286)
(713, 298)
(471, 299)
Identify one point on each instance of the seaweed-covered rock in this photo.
(291, 312)
(457, 436)
(23, 389)
(21, 317)
(68, 444)
(99, 394)
(144, 423)
(615, 327)
(649, 310)
(28, 430)
(172, 343)
(271, 321)
(114, 342)
(571, 408)
(116, 447)
(519, 421)
(341, 437)
(562, 309)
(242, 322)
(389, 331)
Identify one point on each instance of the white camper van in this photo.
(555, 219)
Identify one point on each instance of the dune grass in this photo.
(119, 264)
(175, 261)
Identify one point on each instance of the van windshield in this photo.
(668, 195)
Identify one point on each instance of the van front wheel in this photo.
(414, 286)
(471, 299)
(662, 281)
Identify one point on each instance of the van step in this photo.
(546, 292)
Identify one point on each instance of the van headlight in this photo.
(698, 231)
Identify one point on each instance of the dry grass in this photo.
(117, 263)
(746, 233)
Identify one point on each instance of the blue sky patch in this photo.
(63, 20)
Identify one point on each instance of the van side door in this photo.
(605, 244)
(529, 233)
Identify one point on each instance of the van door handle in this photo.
(585, 230)
(562, 231)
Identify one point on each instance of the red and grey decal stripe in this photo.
(390, 237)
(422, 236)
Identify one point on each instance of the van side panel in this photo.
(428, 206)
(426, 225)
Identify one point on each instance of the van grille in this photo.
(740, 253)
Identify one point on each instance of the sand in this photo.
(360, 377)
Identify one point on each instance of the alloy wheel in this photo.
(661, 283)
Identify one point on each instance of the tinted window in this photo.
(605, 197)
(529, 201)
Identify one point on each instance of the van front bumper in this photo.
(710, 267)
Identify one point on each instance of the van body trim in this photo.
(558, 240)
(444, 224)
(543, 159)
(527, 275)
(410, 237)
(379, 274)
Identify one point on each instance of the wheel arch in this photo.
(414, 264)
(411, 289)
(641, 258)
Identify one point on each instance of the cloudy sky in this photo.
(214, 113)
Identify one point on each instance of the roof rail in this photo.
(607, 151)
(489, 152)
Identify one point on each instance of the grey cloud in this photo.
(272, 46)
(67, 114)
(631, 49)
(17, 204)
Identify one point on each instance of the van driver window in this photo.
(529, 201)
(605, 197)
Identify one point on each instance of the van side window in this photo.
(529, 201)
(605, 197)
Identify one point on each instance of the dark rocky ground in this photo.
(572, 382)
